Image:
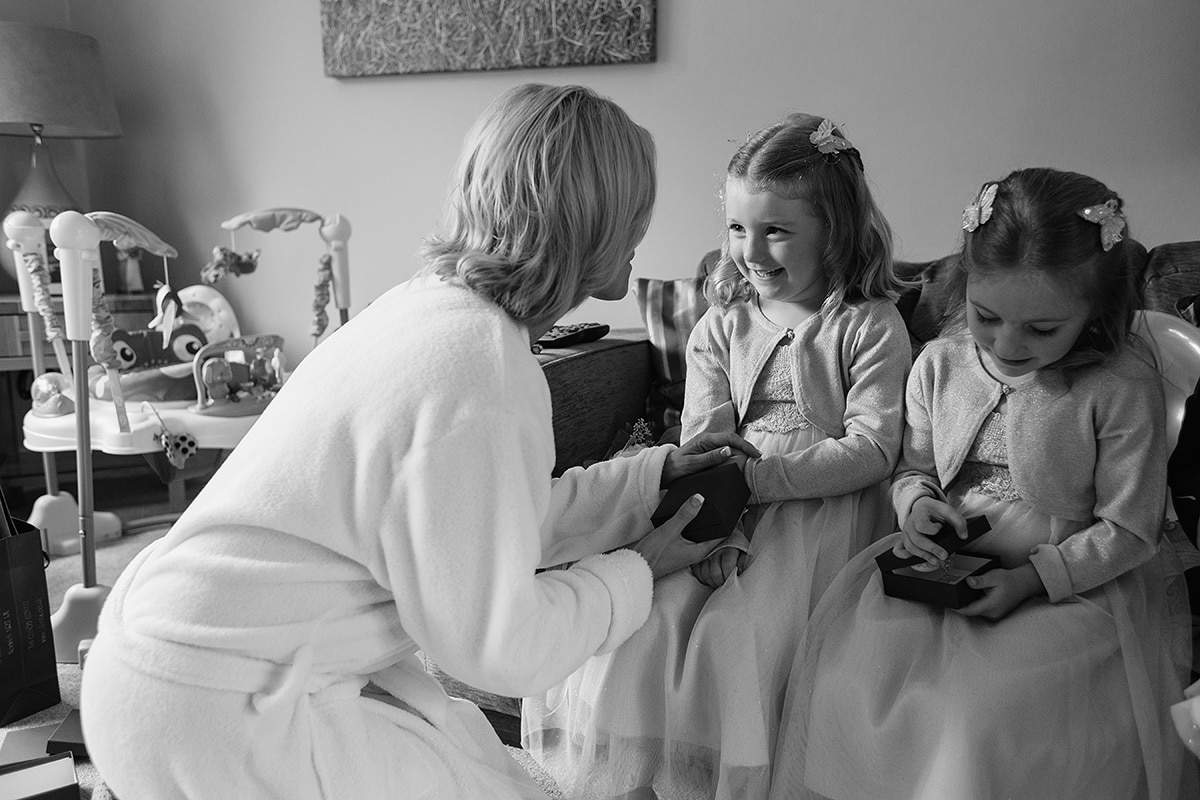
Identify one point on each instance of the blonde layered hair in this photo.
(857, 257)
(552, 192)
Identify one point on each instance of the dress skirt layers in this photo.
(690, 703)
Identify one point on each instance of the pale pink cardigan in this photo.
(1089, 451)
(848, 368)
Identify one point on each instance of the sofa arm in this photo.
(596, 389)
(1172, 279)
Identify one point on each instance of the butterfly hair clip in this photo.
(1110, 220)
(980, 211)
(827, 142)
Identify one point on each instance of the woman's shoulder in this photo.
(441, 322)
(426, 292)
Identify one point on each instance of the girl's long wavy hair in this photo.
(857, 258)
(1035, 225)
(552, 192)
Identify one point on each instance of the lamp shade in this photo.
(53, 78)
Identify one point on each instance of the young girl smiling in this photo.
(804, 354)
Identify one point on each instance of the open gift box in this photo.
(946, 586)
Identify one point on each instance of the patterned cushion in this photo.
(923, 303)
(670, 309)
(1172, 279)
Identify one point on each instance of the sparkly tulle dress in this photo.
(689, 706)
(894, 699)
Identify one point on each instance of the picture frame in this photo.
(395, 37)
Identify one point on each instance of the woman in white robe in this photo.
(396, 496)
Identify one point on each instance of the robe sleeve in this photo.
(461, 557)
(605, 506)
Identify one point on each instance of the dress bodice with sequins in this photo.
(985, 469)
(772, 406)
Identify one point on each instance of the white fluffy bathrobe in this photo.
(394, 496)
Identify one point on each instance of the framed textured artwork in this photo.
(394, 37)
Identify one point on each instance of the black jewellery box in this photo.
(944, 586)
(725, 496)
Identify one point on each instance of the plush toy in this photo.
(333, 270)
(228, 262)
(145, 349)
(238, 377)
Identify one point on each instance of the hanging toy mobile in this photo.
(227, 261)
(333, 270)
(126, 235)
(240, 376)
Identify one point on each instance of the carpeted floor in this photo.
(143, 504)
(90, 785)
(111, 557)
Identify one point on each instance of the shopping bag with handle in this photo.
(28, 669)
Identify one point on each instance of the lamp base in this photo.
(42, 194)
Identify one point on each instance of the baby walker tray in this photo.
(146, 425)
(946, 586)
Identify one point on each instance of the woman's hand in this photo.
(925, 520)
(665, 549)
(706, 450)
(1003, 590)
(716, 568)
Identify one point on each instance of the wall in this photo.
(226, 108)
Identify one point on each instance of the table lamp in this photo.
(52, 85)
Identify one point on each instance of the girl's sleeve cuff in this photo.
(736, 540)
(748, 474)
(910, 490)
(1051, 568)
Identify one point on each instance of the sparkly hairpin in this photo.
(980, 211)
(827, 142)
(1110, 220)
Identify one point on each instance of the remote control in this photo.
(577, 333)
